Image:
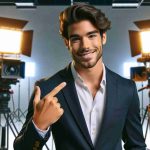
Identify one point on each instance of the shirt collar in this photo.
(79, 79)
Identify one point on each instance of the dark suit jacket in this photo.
(121, 118)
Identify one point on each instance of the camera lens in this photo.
(11, 70)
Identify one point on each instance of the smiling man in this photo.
(86, 106)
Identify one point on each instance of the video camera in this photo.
(10, 71)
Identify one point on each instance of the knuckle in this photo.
(56, 99)
(47, 100)
(58, 105)
(61, 111)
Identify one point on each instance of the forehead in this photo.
(81, 28)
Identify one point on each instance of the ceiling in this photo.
(93, 2)
(68, 2)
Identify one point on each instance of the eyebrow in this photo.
(91, 32)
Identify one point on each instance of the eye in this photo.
(75, 39)
(92, 36)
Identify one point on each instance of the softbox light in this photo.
(24, 42)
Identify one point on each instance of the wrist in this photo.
(39, 125)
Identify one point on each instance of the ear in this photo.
(66, 43)
(104, 38)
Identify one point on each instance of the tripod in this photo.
(18, 112)
(5, 92)
(147, 112)
(5, 129)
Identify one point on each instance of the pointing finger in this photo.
(37, 95)
(57, 89)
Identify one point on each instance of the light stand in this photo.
(147, 110)
(18, 112)
(5, 93)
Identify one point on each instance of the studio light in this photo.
(145, 36)
(13, 37)
(14, 41)
(139, 43)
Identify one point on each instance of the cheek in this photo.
(74, 48)
(98, 44)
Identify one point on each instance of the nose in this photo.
(85, 44)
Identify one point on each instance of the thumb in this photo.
(37, 96)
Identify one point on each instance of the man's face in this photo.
(85, 44)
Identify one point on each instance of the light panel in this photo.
(125, 4)
(10, 41)
(23, 4)
(145, 36)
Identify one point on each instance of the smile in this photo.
(86, 53)
(86, 56)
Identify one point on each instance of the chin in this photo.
(88, 65)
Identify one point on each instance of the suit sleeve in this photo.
(132, 132)
(29, 138)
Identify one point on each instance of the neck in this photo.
(91, 75)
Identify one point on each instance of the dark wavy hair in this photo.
(83, 11)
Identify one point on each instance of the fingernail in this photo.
(64, 83)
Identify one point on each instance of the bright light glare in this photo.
(145, 37)
(30, 69)
(10, 41)
(127, 66)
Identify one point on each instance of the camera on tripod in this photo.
(10, 71)
(14, 41)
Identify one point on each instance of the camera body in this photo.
(12, 69)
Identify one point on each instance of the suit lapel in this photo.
(111, 95)
(73, 103)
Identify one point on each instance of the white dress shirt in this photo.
(93, 109)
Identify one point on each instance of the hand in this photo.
(47, 110)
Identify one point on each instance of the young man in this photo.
(85, 106)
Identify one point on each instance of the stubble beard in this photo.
(87, 65)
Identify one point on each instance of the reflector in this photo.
(135, 43)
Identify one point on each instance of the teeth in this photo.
(85, 53)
